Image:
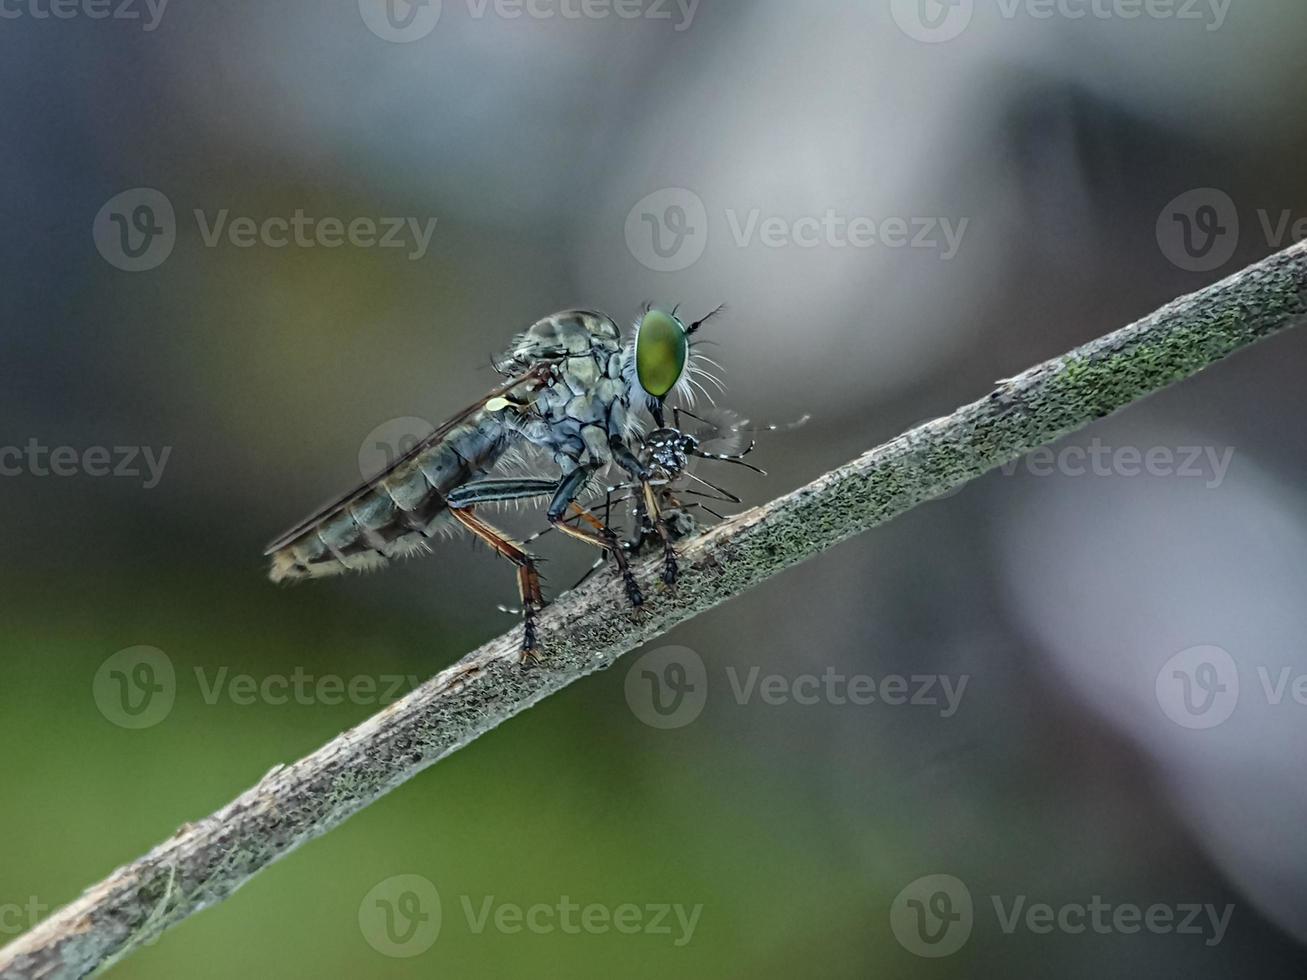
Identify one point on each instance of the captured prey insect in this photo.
(658, 514)
(570, 402)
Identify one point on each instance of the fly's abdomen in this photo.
(396, 513)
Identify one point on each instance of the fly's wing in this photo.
(719, 430)
(395, 512)
(727, 433)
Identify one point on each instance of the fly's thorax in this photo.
(570, 333)
(585, 402)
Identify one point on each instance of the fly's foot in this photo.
(633, 594)
(530, 640)
(617, 551)
(670, 567)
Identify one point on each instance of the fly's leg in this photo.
(627, 460)
(585, 515)
(598, 564)
(564, 497)
(499, 491)
(598, 534)
(528, 578)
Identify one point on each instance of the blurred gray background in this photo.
(899, 202)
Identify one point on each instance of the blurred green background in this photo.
(1063, 148)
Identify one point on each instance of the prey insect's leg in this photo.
(660, 525)
(628, 461)
(528, 579)
(599, 534)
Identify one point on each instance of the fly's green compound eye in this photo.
(660, 352)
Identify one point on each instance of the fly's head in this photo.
(661, 360)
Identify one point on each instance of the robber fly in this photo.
(572, 393)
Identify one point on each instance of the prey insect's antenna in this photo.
(728, 458)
